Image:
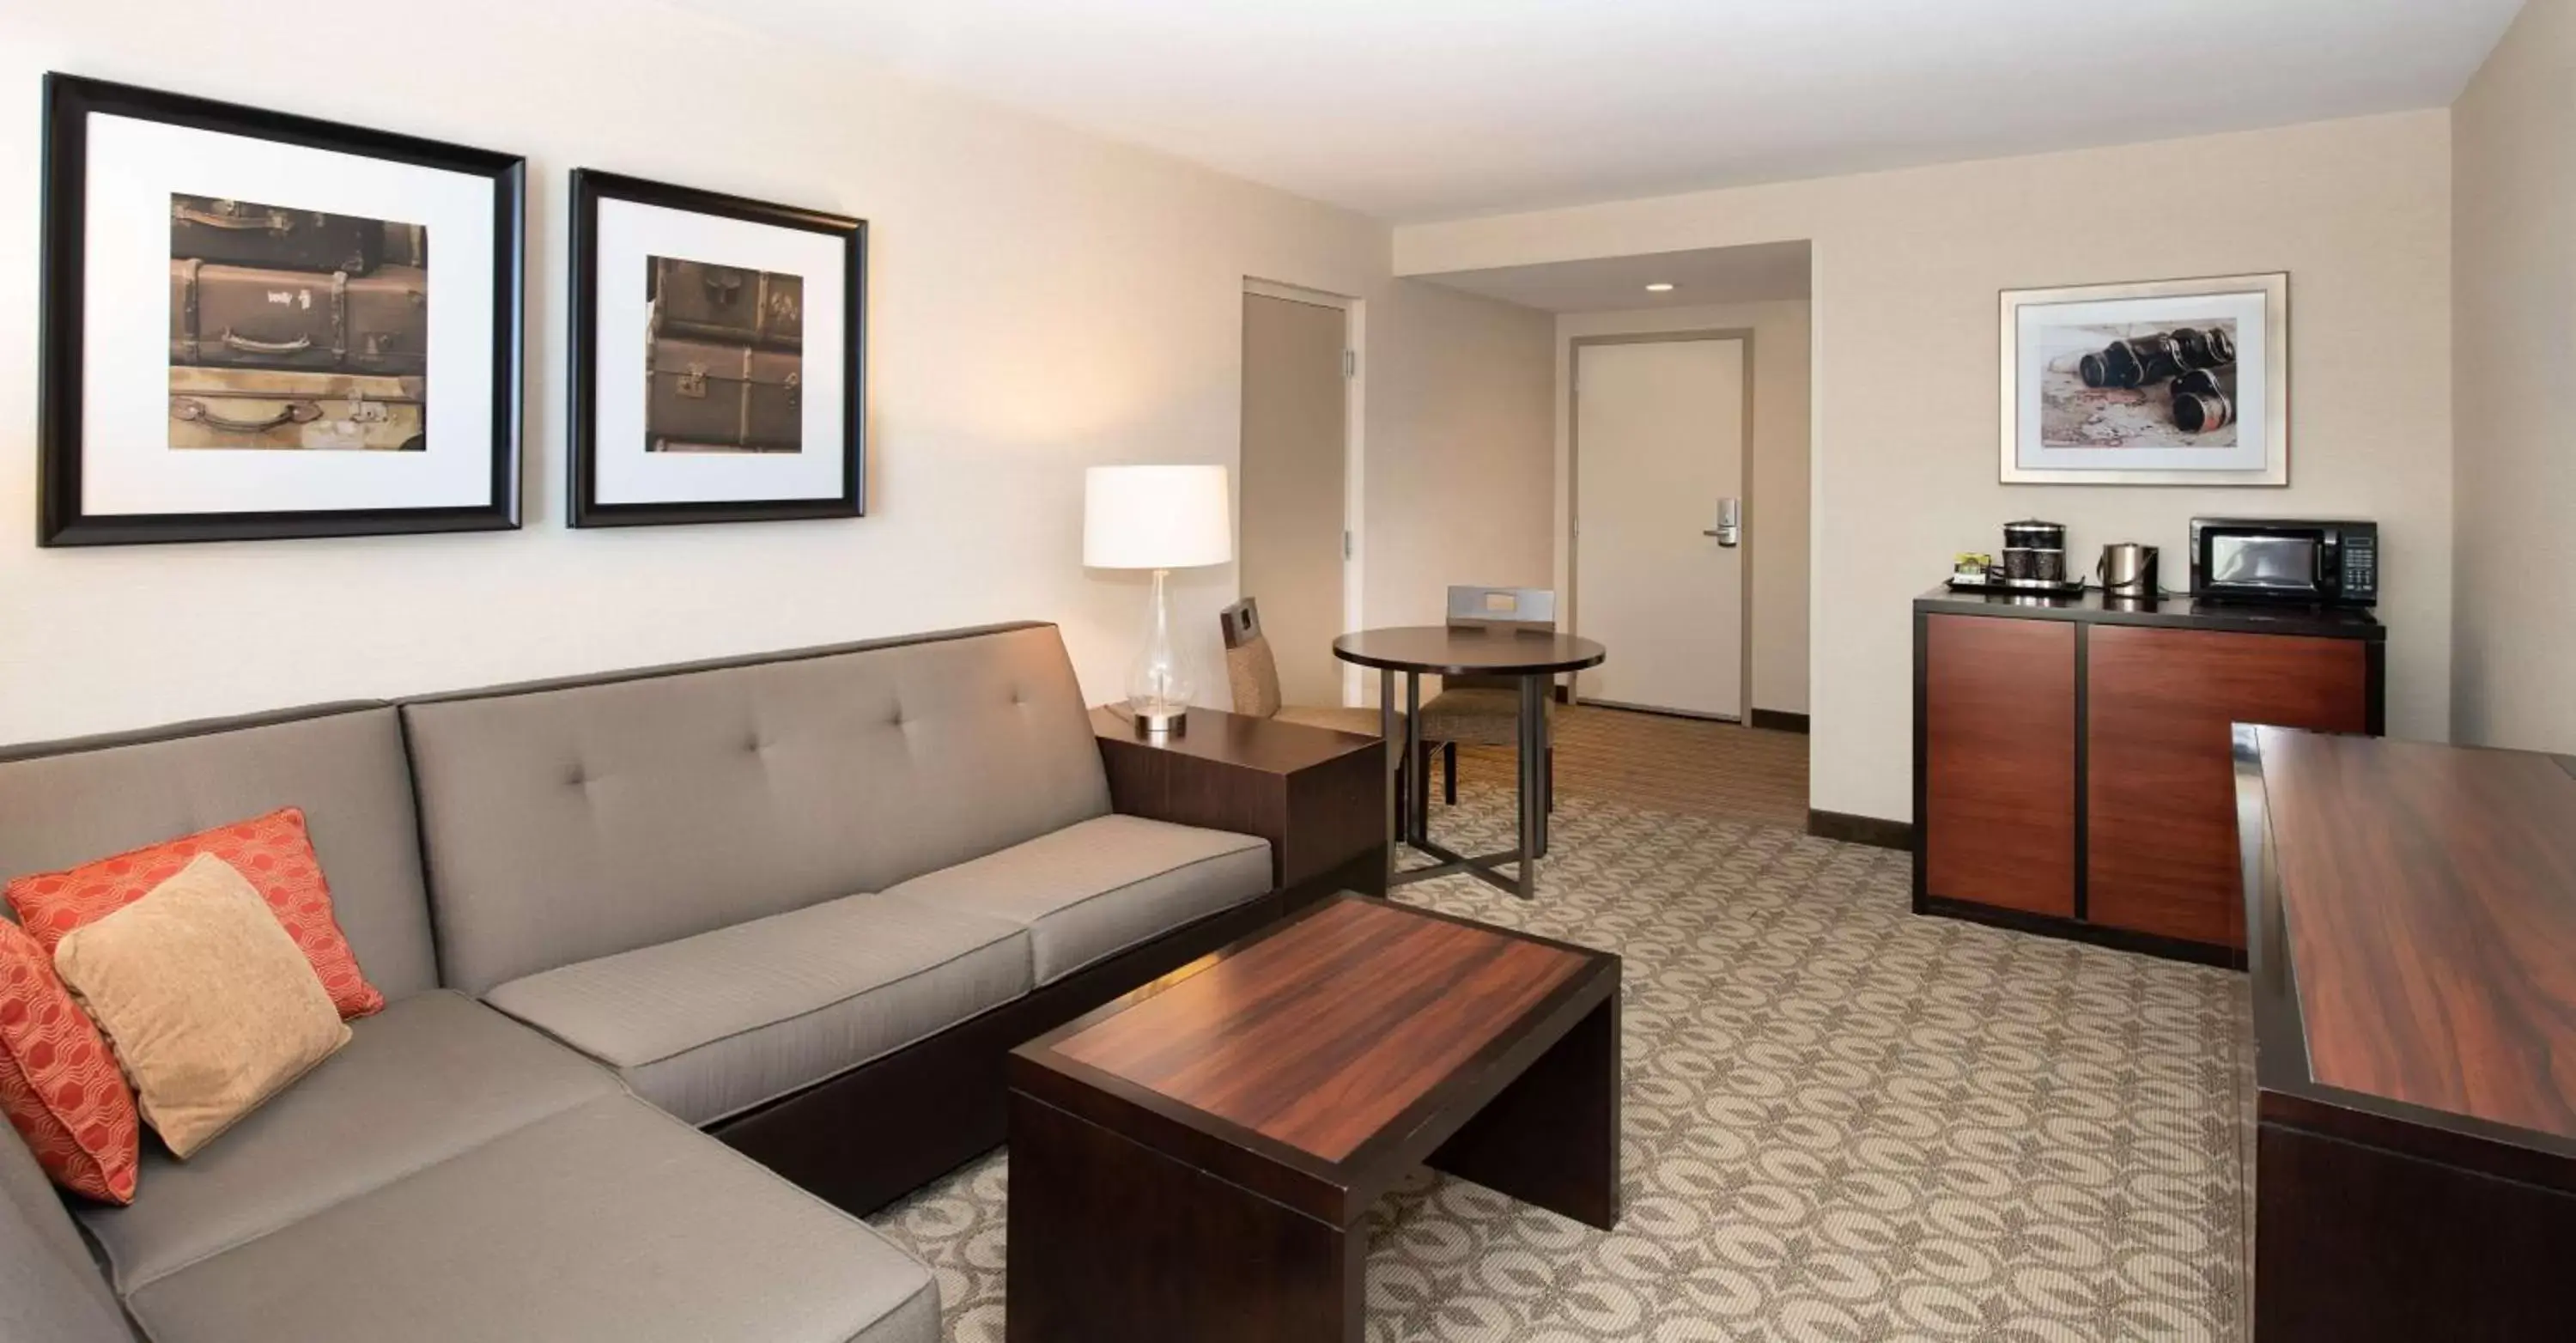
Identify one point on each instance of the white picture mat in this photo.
(622, 472)
(127, 463)
(2252, 449)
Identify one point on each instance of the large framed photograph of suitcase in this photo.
(260, 325)
(718, 357)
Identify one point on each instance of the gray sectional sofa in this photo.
(802, 903)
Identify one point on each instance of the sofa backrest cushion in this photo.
(65, 803)
(50, 1289)
(572, 820)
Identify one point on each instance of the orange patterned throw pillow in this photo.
(58, 1082)
(273, 851)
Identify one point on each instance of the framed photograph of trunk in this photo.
(259, 325)
(719, 363)
(2166, 382)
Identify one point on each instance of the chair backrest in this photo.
(1516, 609)
(1249, 667)
(1519, 610)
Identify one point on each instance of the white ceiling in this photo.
(1422, 109)
(1750, 274)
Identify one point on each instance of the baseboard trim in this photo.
(1780, 720)
(2076, 930)
(1870, 830)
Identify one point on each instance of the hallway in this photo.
(1658, 762)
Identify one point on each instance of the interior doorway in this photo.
(1295, 532)
(1660, 428)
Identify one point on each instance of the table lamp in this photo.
(1160, 518)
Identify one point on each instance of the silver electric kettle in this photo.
(2127, 569)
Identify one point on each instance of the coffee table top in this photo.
(1332, 1044)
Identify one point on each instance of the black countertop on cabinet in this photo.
(2174, 611)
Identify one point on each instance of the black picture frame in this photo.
(583, 508)
(61, 521)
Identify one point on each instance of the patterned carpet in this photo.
(1844, 1124)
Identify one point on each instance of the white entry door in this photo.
(1658, 462)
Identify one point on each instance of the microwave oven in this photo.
(2285, 560)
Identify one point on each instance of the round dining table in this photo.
(1533, 657)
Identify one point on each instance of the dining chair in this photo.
(1485, 710)
(1253, 673)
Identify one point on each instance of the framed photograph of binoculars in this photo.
(2165, 382)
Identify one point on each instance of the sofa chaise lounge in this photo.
(803, 902)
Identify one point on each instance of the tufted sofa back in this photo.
(575, 819)
(66, 803)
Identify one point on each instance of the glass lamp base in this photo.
(1159, 684)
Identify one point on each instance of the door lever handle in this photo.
(1730, 523)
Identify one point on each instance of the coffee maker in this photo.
(2034, 553)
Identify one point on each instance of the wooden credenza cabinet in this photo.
(2072, 768)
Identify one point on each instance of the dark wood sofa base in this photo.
(884, 1129)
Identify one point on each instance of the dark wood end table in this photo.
(1314, 793)
(1196, 1160)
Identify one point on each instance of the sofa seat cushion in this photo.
(431, 1076)
(611, 1222)
(1097, 887)
(712, 1025)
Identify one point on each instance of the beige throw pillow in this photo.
(207, 1002)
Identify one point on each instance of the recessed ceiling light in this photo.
(1660, 287)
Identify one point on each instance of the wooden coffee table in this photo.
(1196, 1160)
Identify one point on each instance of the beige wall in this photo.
(1776, 512)
(1907, 267)
(1459, 403)
(2513, 296)
(1040, 300)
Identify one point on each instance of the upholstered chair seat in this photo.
(1479, 715)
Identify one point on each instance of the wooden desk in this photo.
(2411, 1016)
(1314, 793)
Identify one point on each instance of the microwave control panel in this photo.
(2360, 567)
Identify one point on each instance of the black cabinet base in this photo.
(2077, 930)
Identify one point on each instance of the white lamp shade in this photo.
(1155, 517)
